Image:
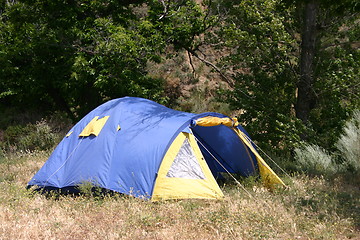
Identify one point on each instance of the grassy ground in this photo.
(311, 208)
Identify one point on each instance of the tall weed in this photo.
(2, 154)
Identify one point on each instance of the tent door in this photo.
(184, 172)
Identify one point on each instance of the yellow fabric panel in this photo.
(68, 135)
(215, 121)
(205, 168)
(179, 188)
(94, 126)
(268, 176)
(170, 155)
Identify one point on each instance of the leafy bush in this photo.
(31, 137)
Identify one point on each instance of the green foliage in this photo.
(337, 92)
(116, 66)
(182, 23)
(260, 49)
(72, 56)
(88, 189)
(261, 40)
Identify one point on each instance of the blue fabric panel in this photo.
(227, 147)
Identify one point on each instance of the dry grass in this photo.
(309, 209)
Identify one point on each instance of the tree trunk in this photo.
(305, 95)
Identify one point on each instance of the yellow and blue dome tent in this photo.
(141, 148)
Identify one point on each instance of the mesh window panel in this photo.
(185, 164)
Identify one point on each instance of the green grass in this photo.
(310, 208)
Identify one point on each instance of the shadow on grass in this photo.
(94, 192)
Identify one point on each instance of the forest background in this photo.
(289, 70)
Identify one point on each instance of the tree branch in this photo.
(340, 44)
(212, 65)
(227, 80)
(191, 63)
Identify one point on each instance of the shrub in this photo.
(315, 160)
(346, 159)
(348, 144)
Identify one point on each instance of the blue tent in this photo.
(138, 147)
